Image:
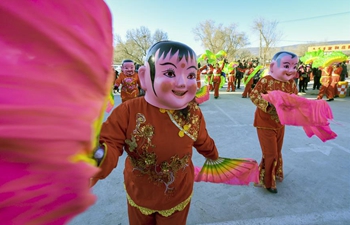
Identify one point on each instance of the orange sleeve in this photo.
(338, 70)
(204, 144)
(202, 68)
(112, 136)
(329, 70)
(222, 66)
(119, 79)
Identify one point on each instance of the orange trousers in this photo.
(216, 85)
(326, 90)
(334, 84)
(335, 90)
(177, 218)
(230, 85)
(271, 165)
(198, 78)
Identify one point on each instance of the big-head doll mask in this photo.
(169, 75)
(128, 67)
(283, 66)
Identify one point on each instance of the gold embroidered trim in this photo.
(182, 130)
(188, 125)
(166, 212)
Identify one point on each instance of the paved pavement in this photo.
(315, 191)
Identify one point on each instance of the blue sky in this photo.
(300, 21)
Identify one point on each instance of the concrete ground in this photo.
(315, 191)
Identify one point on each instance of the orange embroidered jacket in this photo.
(130, 86)
(158, 174)
(265, 114)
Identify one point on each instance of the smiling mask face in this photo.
(174, 84)
(128, 68)
(284, 66)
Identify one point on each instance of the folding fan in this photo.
(228, 171)
(202, 94)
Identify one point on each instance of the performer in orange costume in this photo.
(129, 80)
(199, 72)
(336, 79)
(209, 74)
(326, 80)
(283, 69)
(216, 79)
(158, 132)
(231, 77)
(248, 85)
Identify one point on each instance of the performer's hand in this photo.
(98, 155)
(93, 181)
(269, 107)
(141, 92)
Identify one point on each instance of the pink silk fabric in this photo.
(55, 76)
(312, 115)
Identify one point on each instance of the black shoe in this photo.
(215, 97)
(337, 96)
(331, 99)
(272, 190)
(244, 97)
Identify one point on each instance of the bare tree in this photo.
(216, 37)
(243, 54)
(136, 44)
(268, 36)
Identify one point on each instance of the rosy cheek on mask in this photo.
(166, 87)
(192, 88)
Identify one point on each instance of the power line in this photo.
(316, 17)
(295, 41)
(300, 41)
